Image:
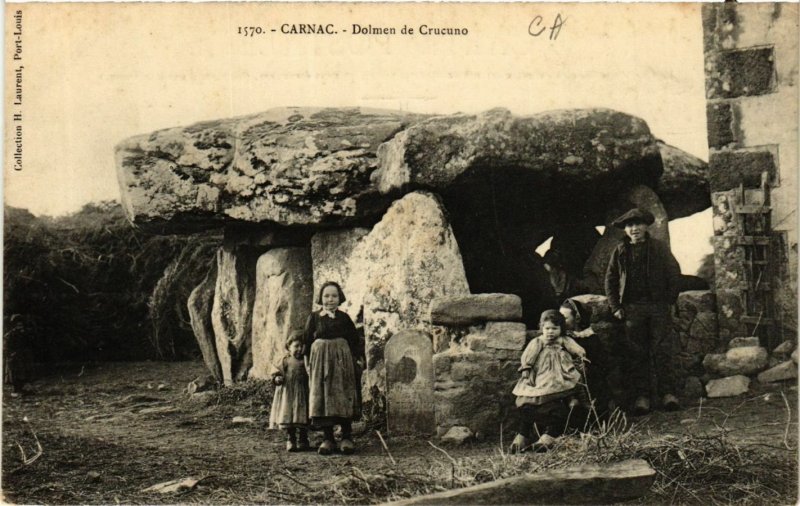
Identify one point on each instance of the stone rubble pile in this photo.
(744, 359)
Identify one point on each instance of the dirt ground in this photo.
(109, 431)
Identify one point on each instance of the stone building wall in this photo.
(751, 72)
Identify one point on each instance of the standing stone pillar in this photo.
(282, 304)
(232, 311)
(408, 259)
(331, 256)
(393, 271)
(200, 304)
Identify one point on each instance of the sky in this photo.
(96, 74)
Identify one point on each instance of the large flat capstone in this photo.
(337, 167)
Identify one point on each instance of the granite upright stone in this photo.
(281, 306)
(200, 304)
(232, 311)
(406, 261)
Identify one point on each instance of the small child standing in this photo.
(548, 384)
(290, 402)
(331, 343)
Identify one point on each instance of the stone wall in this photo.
(751, 56)
(474, 376)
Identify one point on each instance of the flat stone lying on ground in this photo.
(462, 310)
(784, 371)
(728, 387)
(585, 484)
(168, 487)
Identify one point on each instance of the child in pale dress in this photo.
(290, 402)
(546, 391)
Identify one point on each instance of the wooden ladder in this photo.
(753, 215)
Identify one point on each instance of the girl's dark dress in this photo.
(332, 343)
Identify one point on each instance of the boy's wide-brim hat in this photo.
(634, 214)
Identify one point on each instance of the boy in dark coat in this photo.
(641, 283)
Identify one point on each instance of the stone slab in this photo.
(200, 302)
(457, 435)
(232, 311)
(584, 484)
(697, 301)
(338, 166)
(785, 348)
(476, 342)
(281, 306)
(476, 308)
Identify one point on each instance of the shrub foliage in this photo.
(90, 286)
